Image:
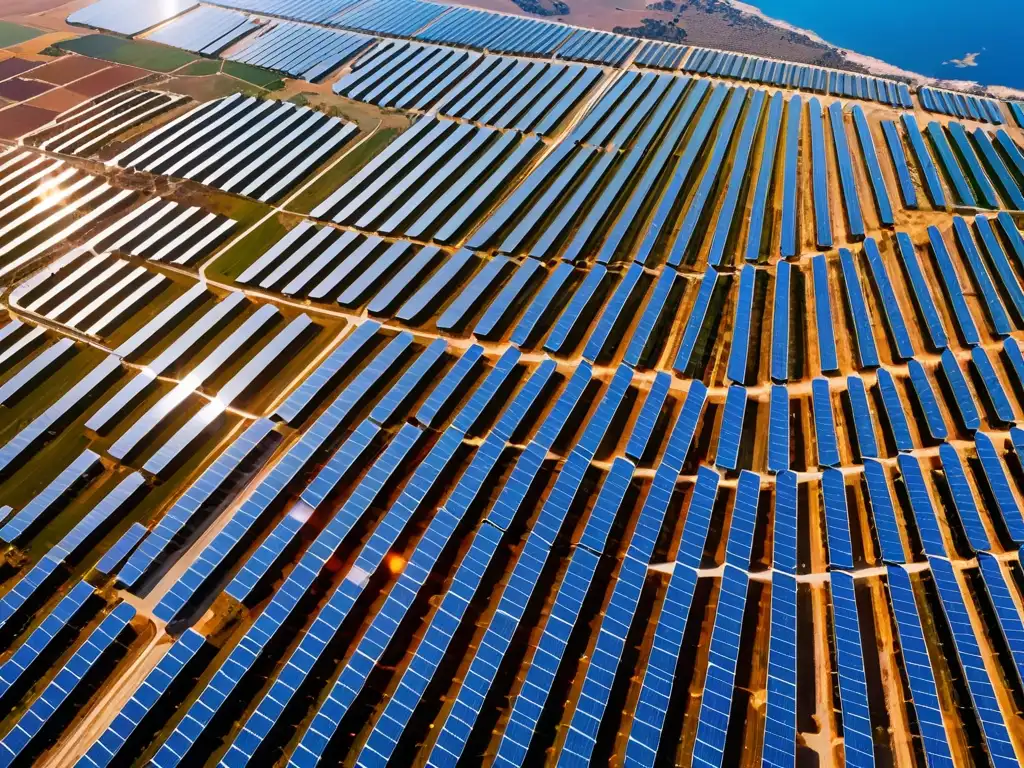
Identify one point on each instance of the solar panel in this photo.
(577, 312)
(962, 398)
(867, 353)
(858, 743)
(779, 747)
(863, 424)
(739, 350)
(883, 206)
(921, 505)
(954, 291)
(121, 549)
(499, 312)
(904, 346)
(447, 392)
(53, 497)
(837, 519)
(723, 655)
(778, 430)
(1006, 611)
(643, 429)
(781, 323)
(824, 424)
(691, 347)
(727, 453)
(823, 316)
(925, 698)
(963, 498)
(998, 319)
(922, 389)
(993, 726)
(999, 486)
(883, 513)
(617, 315)
(744, 517)
(932, 184)
(645, 345)
(848, 182)
(790, 214)
(894, 412)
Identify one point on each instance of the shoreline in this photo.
(878, 66)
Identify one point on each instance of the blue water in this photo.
(920, 35)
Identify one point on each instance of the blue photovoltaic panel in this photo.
(819, 176)
(837, 519)
(1004, 270)
(1013, 353)
(780, 323)
(932, 185)
(999, 484)
(899, 429)
(899, 160)
(996, 312)
(993, 386)
(824, 424)
(116, 555)
(778, 430)
(765, 174)
(961, 189)
(922, 387)
(618, 313)
(744, 517)
(858, 743)
(547, 298)
(922, 294)
(921, 505)
(723, 655)
(924, 693)
(691, 343)
(854, 217)
(643, 428)
(883, 513)
(867, 352)
(904, 346)
(779, 748)
(1006, 610)
(739, 351)
(442, 397)
(954, 291)
(577, 311)
(500, 311)
(823, 316)
(963, 498)
(785, 534)
(790, 213)
(412, 382)
(863, 424)
(56, 494)
(335, 365)
(1000, 747)
(727, 453)
(645, 346)
(965, 405)
(867, 148)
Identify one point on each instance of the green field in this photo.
(135, 53)
(12, 34)
(201, 68)
(262, 78)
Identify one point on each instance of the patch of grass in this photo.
(232, 263)
(135, 53)
(334, 178)
(12, 34)
(260, 77)
(201, 68)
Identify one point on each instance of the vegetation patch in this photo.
(12, 34)
(201, 68)
(254, 75)
(655, 29)
(135, 53)
(544, 7)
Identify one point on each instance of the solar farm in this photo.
(501, 392)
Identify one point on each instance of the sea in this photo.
(946, 39)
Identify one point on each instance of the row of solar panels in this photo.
(86, 130)
(389, 728)
(740, 66)
(963, 105)
(494, 90)
(240, 144)
(64, 202)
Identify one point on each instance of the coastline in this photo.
(877, 66)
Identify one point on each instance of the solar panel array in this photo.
(254, 148)
(608, 412)
(739, 66)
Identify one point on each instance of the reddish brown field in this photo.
(68, 69)
(105, 80)
(20, 119)
(14, 66)
(19, 89)
(59, 100)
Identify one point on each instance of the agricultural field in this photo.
(386, 382)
